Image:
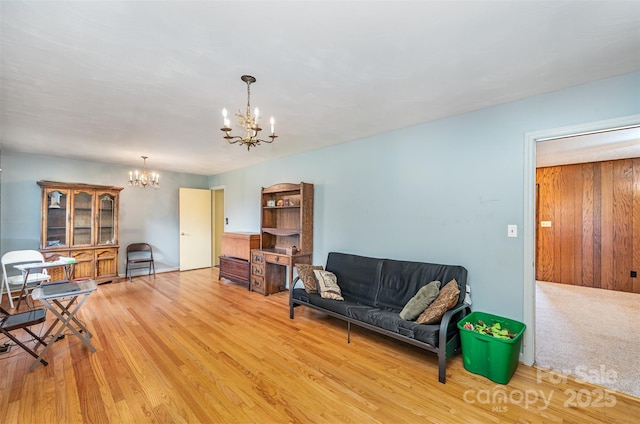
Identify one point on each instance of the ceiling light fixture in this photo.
(247, 122)
(144, 179)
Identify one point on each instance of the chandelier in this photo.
(249, 123)
(144, 179)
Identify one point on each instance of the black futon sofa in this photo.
(376, 290)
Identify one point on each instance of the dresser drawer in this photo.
(276, 259)
(257, 257)
(257, 270)
(257, 284)
(236, 270)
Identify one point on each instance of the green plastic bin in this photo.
(494, 358)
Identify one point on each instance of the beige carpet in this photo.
(592, 334)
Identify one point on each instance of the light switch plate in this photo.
(512, 230)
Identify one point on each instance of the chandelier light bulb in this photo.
(225, 121)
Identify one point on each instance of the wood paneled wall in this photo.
(594, 238)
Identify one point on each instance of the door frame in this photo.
(217, 223)
(529, 237)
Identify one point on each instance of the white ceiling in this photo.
(113, 80)
(600, 146)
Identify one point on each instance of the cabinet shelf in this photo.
(282, 231)
(282, 207)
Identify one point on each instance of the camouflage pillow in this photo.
(447, 298)
(305, 272)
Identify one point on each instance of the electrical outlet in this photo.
(634, 274)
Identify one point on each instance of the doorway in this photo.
(531, 139)
(217, 223)
(202, 221)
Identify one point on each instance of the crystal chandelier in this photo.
(144, 179)
(249, 123)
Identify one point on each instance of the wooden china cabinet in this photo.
(81, 221)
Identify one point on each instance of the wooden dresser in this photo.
(236, 253)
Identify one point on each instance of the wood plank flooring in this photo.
(187, 347)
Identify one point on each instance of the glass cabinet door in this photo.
(106, 218)
(56, 218)
(82, 218)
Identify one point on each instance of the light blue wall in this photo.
(145, 214)
(439, 192)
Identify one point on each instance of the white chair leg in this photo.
(6, 285)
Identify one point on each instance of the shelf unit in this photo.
(289, 222)
(286, 236)
(81, 221)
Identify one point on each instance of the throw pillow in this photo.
(305, 272)
(418, 303)
(447, 298)
(328, 285)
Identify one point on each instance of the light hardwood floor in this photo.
(189, 348)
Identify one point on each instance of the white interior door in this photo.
(195, 228)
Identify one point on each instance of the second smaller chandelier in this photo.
(144, 178)
(250, 124)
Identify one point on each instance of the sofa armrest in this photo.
(291, 287)
(446, 319)
(293, 284)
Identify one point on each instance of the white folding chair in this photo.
(14, 278)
